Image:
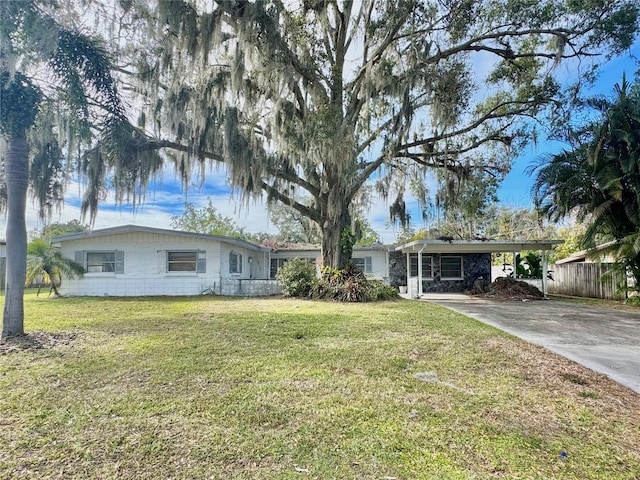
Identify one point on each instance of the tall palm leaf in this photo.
(80, 77)
(599, 180)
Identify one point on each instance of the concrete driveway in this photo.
(605, 340)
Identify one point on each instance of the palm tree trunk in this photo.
(52, 277)
(17, 178)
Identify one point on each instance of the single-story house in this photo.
(456, 265)
(133, 260)
(590, 256)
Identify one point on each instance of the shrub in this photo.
(350, 285)
(382, 291)
(633, 300)
(297, 277)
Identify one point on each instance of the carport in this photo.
(450, 249)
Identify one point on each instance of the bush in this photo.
(297, 277)
(382, 291)
(633, 300)
(350, 285)
(346, 285)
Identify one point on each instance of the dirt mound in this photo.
(36, 341)
(508, 288)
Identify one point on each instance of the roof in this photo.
(305, 248)
(139, 228)
(582, 255)
(476, 246)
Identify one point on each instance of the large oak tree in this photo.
(317, 98)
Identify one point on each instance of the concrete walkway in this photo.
(605, 340)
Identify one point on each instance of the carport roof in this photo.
(476, 246)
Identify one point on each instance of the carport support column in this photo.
(409, 274)
(545, 270)
(420, 272)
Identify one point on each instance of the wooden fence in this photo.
(586, 280)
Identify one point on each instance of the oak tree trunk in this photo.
(334, 253)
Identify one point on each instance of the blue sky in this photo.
(166, 198)
(515, 190)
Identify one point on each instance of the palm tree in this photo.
(46, 262)
(79, 77)
(599, 179)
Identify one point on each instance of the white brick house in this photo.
(133, 260)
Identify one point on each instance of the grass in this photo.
(217, 388)
(600, 302)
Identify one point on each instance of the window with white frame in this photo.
(235, 262)
(101, 261)
(450, 267)
(364, 264)
(182, 261)
(427, 265)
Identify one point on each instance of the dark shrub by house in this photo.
(382, 291)
(297, 277)
(350, 285)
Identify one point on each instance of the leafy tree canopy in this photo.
(573, 242)
(319, 98)
(206, 220)
(493, 222)
(59, 228)
(296, 228)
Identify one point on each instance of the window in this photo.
(101, 262)
(276, 265)
(235, 262)
(111, 261)
(364, 264)
(427, 263)
(186, 261)
(181, 261)
(450, 267)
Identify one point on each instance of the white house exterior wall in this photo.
(379, 262)
(258, 268)
(379, 259)
(145, 257)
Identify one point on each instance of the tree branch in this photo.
(274, 42)
(308, 212)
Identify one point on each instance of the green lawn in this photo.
(216, 388)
